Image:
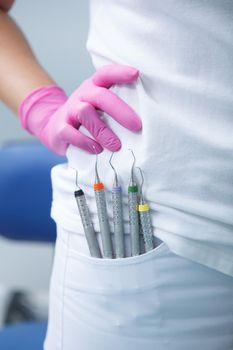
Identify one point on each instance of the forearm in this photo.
(20, 72)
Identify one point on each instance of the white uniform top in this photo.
(184, 51)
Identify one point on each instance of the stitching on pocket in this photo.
(100, 262)
(134, 276)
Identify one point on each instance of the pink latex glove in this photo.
(55, 119)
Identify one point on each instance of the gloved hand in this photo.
(55, 119)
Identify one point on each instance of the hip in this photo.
(154, 299)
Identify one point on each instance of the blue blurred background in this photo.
(57, 31)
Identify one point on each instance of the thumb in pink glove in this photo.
(55, 119)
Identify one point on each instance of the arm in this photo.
(45, 110)
(20, 72)
(5, 5)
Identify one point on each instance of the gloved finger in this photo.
(114, 74)
(91, 120)
(76, 138)
(113, 105)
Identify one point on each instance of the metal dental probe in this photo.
(102, 215)
(86, 221)
(144, 212)
(117, 215)
(133, 212)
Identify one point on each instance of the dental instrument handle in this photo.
(134, 219)
(118, 221)
(87, 224)
(147, 230)
(103, 220)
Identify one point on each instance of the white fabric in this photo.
(153, 301)
(184, 51)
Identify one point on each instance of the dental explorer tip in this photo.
(141, 186)
(116, 177)
(132, 179)
(97, 179)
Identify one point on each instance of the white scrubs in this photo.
(180, 295)
(157, 300)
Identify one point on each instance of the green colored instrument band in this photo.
(133, 189)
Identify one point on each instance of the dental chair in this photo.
(25, 200)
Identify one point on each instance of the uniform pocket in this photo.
(113, 275)
(112, 302)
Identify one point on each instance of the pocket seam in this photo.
(100, 262)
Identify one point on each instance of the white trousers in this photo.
(155, 301)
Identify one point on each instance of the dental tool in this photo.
(117, 215)
(133, 212)
(102, 216)
(86, 221)
(145, 219)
